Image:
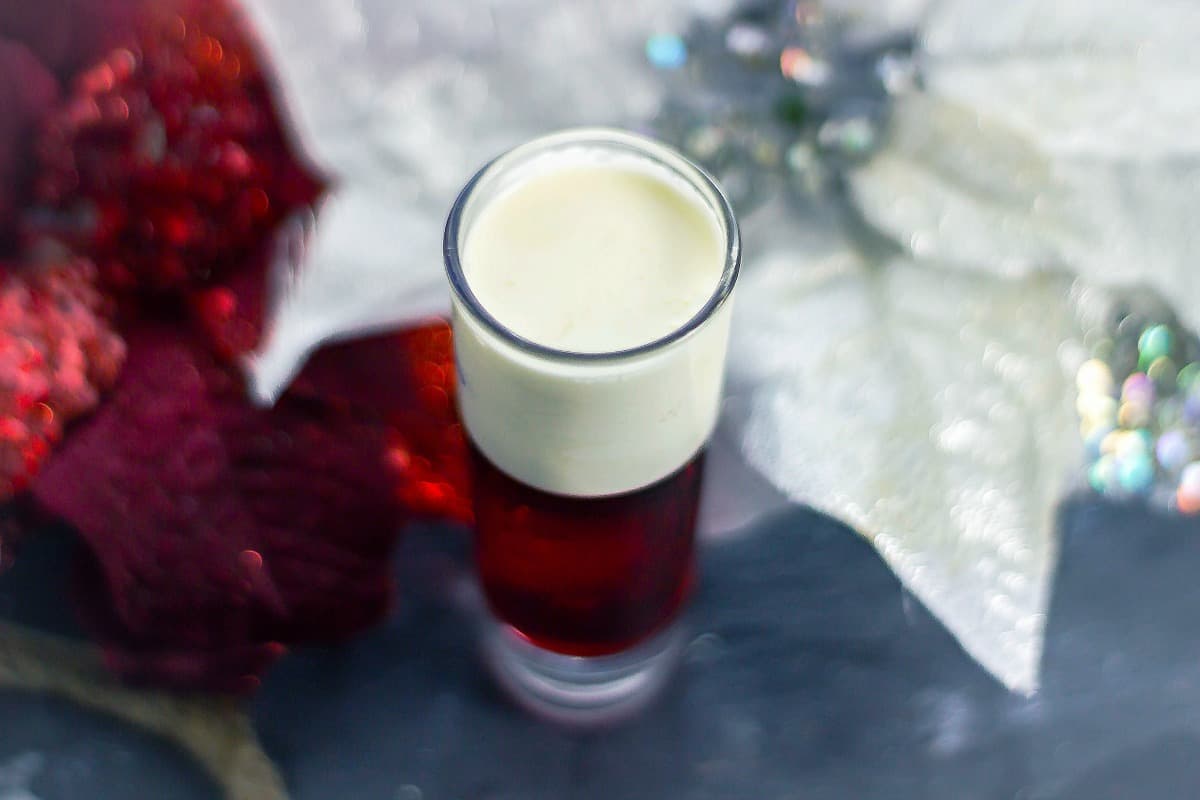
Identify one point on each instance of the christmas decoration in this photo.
(219, 533)
(1139, 406)
(219, 530)
(970, 160)
(167, 163)
(775, 96)
(56, 357)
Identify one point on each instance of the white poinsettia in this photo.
(1049, 138)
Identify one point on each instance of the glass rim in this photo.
(614, 139)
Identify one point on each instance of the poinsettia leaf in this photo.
(216, 526)
(1067, 78)
(930, 409)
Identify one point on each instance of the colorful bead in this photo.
(1094, 439)
(801, 66)
(1188, 376)
(1136, 473)
(1187, 497)
(1133, 415)
(1102, 475)
(1163, 372)
(1143, 439)
(1094, 377)
(1191, 407)
(749, 42)
(1097, 409)
(666, 51)
(1138, 389)
(1155, 342)
(1173, 450)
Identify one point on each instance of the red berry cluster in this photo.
(167, 164)
(58, 353)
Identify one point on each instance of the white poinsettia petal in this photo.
(344, 279)
(1050, 136)
(932, 410)
(1086, 78)
(964, 188)
(953, 186)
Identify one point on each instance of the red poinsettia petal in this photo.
(217, 526)
(230, 669)
(27, 93)
(410, 375)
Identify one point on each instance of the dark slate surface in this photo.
(812, 674)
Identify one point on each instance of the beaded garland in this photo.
(1139, 408)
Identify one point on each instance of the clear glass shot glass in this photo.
(587, 466)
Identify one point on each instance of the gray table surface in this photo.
(812, 675)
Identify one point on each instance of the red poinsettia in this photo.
(218, 532)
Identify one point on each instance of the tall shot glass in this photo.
(587, 465)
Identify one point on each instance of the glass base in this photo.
(580, 691)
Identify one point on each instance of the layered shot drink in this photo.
(591, 274)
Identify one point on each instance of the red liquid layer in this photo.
(585, 577)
